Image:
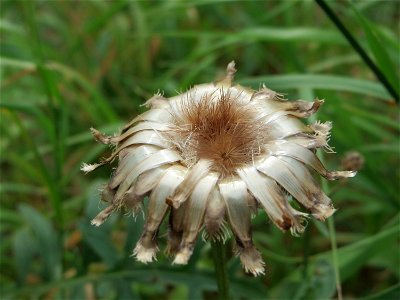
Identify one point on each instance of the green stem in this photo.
(356, 46)
(332, 237)
(218, 251)
(308, 93)
(306, 255)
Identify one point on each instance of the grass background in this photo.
(67, 66)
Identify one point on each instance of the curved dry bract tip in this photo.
(210, 158)
(182, 257)
(102, 216)
(144, 255)
(252, 261)
(86, 168)
(230, 75)
(231, 70)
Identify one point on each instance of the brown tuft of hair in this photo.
(219, 129)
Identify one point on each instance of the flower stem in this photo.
(218, 251)
(332, 236)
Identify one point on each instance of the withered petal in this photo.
(194, 217)
(155, 160)
(305, 191)
(306, 156)
(234, 194)
(268, 193)
(184, 190)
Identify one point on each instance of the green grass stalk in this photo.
(333, 241)
(356, 46)
(307, 93)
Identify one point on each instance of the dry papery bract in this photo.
(211, 157)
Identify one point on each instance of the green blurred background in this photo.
(70, 65)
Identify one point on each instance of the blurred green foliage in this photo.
(70, 65)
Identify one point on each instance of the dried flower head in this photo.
(211, 157)
(352, 160)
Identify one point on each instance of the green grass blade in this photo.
(356, 46)
(378, 49)
(47, 241)
(103, 111)
(319, 81)
(53, 191)
(272, 34)
(392, 292)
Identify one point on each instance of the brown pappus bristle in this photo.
(221, 130)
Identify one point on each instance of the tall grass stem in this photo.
(353, 42)
(307, 93)
(332, 237)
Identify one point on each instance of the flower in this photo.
(212, 156)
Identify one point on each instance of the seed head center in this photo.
(221, 130)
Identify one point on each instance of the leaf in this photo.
(376, 118)
(372, 129)
(392, 292)
(25, 248)
(318, 284)
(319, 81)
(181, 292)
(276, 34)
(134, 231)
(330, 62)
(352, 257)
(98, 21)
(379, 148)
(378, 49)
(32, 110)
(47, 239)
(204, 281)
(20, 188)
(124, 290)
(7, 26)
(104, 110)
(98, 238)
(323, 282)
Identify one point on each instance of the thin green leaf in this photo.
(372, 129)
(276, 34)
(20, 188)
(102, 106)
(30, 109)
(42, 170)
(392, 292)
(352, 257)
(47, 238)
(319, 81)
